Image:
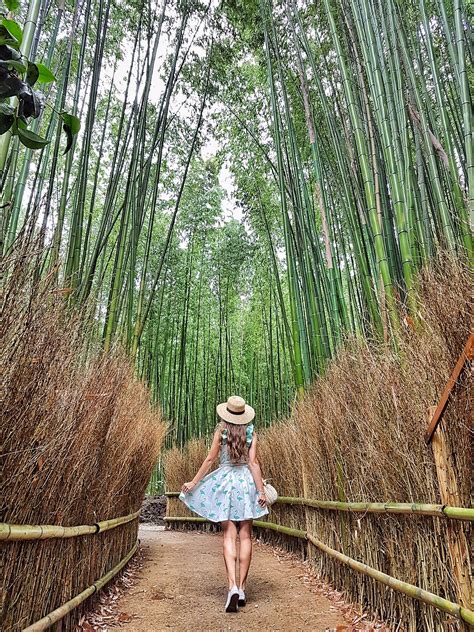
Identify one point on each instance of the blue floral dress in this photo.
(228, 493)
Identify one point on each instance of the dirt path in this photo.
(181, 587)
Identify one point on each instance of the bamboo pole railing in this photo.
(454, 609)
(16, 532)
(410, 590)
(419, 509)
(62, 611)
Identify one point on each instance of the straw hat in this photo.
(236, 411)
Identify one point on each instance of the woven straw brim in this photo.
(245, 418)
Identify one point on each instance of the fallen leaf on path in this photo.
(124, 617)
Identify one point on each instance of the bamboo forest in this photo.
(265, 198)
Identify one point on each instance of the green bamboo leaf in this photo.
(18, 124)
(31, 140)
(7, 39)
(12, 5)
(17, 65)
(71, 121)
(45, 74)
(14, 29)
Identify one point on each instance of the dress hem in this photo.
(224, 519)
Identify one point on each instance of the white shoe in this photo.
(242, 600)
(232, 603)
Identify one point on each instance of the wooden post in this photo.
(312, 552)
(307, 525)
(436, 412)
(456, 538)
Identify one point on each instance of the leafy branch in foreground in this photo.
(18, 78)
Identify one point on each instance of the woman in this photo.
(234, 493)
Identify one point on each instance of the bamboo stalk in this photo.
(16, 532)
(459, 513)
(410, 590)
(419, 509)
(294, 533)
(186, 519)
(466, 104)
(62, 611)
(105, 525)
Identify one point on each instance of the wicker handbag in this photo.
(271, 493)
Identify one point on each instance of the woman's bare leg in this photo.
(245, 552)
(230, 550)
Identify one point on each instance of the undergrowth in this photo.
(79, 441)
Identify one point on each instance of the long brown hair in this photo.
(236, 441)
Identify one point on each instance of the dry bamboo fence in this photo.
(94, 549)
(59, 613)
(79, 441)
(16, 533)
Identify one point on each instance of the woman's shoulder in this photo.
(250, 431)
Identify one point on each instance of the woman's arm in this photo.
(206, 464)
(256, 472)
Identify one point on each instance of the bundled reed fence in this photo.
(79, 441)
(359, 437)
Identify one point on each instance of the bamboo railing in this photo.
(62, 611)
(419, 509)
(454, 609)
(410, 590)
(15, 532)
(21, 532)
